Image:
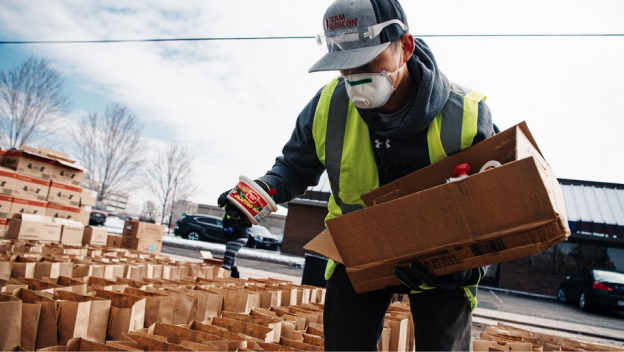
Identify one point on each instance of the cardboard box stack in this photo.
(142, 236)
(509, 212)
(40, 182)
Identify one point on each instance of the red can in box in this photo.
(252, 200)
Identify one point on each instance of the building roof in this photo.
(595, 208)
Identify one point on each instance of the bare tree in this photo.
(112, 150)
(31, 101)
(171, 177)
(150, 211)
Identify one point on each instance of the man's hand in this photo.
(233, 215)
(418, 279)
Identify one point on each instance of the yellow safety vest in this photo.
(343, 144)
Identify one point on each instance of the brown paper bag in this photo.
(127, 313)
(114, 271)
(209, 304)
(238, 300)
(398, 332)
(260, 332)
(235, 342)
(30, 320)
(195, 346)
(184, 306)
(136, 272)
(52, 269)
(47, 328)
(299, 346)
(70, 284)
(485, 345)
(154, 343)
(82, 316)
(125, 345)
(158, 307)
(80, 344)
(269, 297)
(105, 284)
(8, 286)
(6, 266)
(273, 323)
(24, 267)
(176, 334)
(11, 322)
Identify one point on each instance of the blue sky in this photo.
(218, 98)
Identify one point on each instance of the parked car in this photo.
(97, 217)
(261, 237)
(198, 227)
(592, 288)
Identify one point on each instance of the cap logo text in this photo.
(333, 23)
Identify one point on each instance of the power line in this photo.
(108, 41)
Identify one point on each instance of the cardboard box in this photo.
(51, 231)
(143, 230)
(8, 177)
(71, 232)
(25, 227)
(29, 164)
(4, 225)
(67, 173)
(84, 215)
(96, 236)
(114, 241)
(64, 194)
(51, 153)
(62, 211)
(5, 207)
(31, 188)
(142, 245)
(89, 198)
(28, 207)
(509, 212)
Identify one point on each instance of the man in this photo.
(390, 113)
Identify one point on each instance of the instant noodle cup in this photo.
(252, 200)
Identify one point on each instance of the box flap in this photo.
(324, 244)
(70, 165)
(525, 129)
(28, 217)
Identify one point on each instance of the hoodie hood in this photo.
(433, 90)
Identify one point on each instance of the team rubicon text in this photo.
(333, 23)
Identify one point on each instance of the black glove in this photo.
(233, 215)
(417, 278)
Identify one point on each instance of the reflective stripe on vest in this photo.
(343, 142)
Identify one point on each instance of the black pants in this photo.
(354, 322)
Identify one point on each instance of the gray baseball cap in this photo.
(356, 31)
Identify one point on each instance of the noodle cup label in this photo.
(252, 200)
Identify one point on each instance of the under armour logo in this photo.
(378, 144)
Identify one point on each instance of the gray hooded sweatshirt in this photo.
(399, 147)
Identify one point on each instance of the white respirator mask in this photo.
(370, 90)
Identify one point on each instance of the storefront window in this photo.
(566, 258)
(615, 259)
(543, 261)
(592, 256)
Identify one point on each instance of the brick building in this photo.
(595, 214)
